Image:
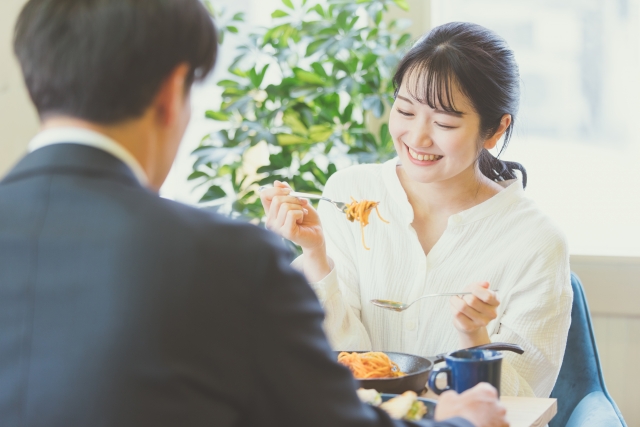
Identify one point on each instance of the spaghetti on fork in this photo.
(360, 211)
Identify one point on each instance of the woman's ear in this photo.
(492, 141)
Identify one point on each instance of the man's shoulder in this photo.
(201, 228)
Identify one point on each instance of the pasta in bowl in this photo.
(387, 372)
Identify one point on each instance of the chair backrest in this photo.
(580, 373)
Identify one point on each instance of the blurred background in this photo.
(577, 134)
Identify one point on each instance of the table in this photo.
(524, 411)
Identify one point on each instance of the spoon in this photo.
(399, 306)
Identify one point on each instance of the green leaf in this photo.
(286, 139)
(238, 17)
(318, 9)
(403, 40)
(279, 14)
(385, 136)
(319, 69)
(228, 83)
(308, 77)
(213, 193)
(216, 115)
(341, 22)
(378, 19)
(232, 29)
(402, 4)
(320, 133)
(197, 174)
(369, 60)
(292, 119)
(288, 3)
(314, 46)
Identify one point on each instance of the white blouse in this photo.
(505, 240)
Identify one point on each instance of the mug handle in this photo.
(432, 379)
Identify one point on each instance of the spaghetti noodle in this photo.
(373, 364)
(359, 211)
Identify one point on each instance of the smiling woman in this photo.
(458, 221)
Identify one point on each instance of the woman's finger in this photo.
(275, 206)
(292, 222)
(480, 306)
(480, 318)
(283, 210)
(484, 294)
(268, 194)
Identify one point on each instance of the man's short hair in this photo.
(105, 60)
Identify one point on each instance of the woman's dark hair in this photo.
(105, 60)
(480, 64)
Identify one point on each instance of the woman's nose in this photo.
(419, 137)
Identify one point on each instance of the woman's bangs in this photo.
(432, 83)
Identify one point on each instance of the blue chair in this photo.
(583, 399)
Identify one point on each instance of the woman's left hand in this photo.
(472, 313)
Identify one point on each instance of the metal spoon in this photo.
(340, 205)
(399, 306)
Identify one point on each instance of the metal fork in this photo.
(340, 205)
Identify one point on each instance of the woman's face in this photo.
(434, 145)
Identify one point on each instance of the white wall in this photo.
(18, 119)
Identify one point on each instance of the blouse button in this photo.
(411, 325)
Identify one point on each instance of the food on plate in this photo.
(372, 364)
(370, 396)
(405, 406)
(359, 211)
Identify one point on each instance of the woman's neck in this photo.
(446, 198)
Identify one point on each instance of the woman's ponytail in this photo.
(499, 170)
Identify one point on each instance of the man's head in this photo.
(111, 62)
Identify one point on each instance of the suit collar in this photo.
(90, 138)
(71, 158)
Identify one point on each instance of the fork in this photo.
(340, 205)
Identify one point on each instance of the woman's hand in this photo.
(472, 313)
(295, 219)
(292, 218)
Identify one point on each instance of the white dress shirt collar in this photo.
(74, 135)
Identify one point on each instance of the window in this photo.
(577, 132)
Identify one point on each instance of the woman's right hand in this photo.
(292, 218)
(295, 219)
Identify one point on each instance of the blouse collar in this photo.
(512, 193)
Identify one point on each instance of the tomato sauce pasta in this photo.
(359, 211)
(373, 364)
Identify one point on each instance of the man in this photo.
(119, 308)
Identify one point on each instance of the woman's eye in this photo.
(445, 126)
(404, 113)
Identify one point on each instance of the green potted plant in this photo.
(308, 93)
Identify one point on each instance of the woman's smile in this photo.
(422, 159)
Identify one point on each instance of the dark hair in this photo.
(105, 60)
(480, 64)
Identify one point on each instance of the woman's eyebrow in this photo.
(457, 114)
(449, 113)
(405, 99)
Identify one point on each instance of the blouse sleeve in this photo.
(537, 317)
(339, 291)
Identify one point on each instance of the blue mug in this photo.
(466, 368)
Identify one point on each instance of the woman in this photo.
(458, 221)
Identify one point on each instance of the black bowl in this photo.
(416, 368)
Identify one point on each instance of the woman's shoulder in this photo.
(527, 219)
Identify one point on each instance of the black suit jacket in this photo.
(119, 308)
